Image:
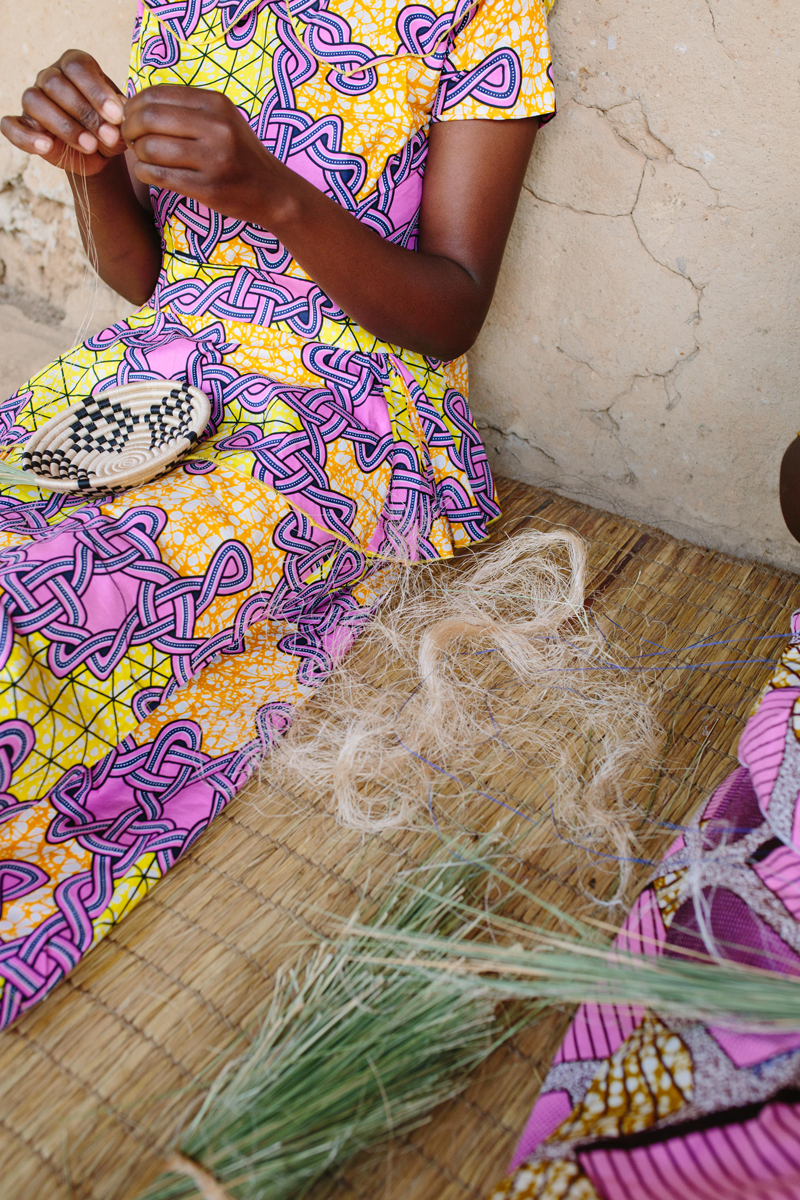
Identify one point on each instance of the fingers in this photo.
(73, 104)
(178, 96)
(57, 104)
(173, 179)
(154, 149)
(151, 116)
(29, 136)
(85, 75)
(49, 117)
(172, 110)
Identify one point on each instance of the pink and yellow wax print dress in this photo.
(154, 642)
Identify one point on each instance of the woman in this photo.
(310, 199)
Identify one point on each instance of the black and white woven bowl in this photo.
(117, 439)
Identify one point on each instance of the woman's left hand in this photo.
(198, 144)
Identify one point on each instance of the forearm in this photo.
(422, 302)
(432, 300)
(121, 232)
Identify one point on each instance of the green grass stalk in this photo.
(389, 1018)
(351, 1051)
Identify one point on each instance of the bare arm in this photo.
(195, 142)
(123, 232)
(432, 300)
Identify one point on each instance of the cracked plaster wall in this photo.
(642, 350)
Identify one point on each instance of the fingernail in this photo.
(109, 134)
(112, 110)
(42, 146)
(87, 141)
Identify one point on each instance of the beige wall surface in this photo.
(42, 266)
(642, 352)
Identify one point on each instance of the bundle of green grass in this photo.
(386, 1021)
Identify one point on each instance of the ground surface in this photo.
(25, 346)
(87, 1078)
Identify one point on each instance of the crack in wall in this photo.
(713, 19)
(695, 318)
(717, 35)
(699, 288)
(587, 212)
(624, 133)
(670, 155)
(581, 362)
(509, 435)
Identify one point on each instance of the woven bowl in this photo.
(117, 439)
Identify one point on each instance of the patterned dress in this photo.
(154, 642)
(642, 1106)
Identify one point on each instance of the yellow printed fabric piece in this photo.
(560, 1179)
(153, 643)
(647, 1079)
(650, 1077)
(128, 891)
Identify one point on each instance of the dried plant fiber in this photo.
(352, 1050)
(385, 1021)
(493, 660)
(581, 966)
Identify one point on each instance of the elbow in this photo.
(455, 347)
(451, 343)
(461, 319)
(455, 332)
(442, 345)
(459, 325)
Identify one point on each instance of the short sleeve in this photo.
(498, 65)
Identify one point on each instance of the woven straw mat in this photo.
(87, 1078)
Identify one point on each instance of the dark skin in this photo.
(195, 142)
(790, 488)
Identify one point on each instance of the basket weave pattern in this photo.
(120, 438)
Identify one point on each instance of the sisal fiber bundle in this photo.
(468, 671)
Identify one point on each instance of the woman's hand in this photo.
(433, 299)
(198, 144)
(70, 117)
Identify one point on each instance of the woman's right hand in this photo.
(70, 117)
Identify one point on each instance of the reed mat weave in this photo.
(88, 1080)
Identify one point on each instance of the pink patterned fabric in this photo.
(642, 1106)
(153, 643)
